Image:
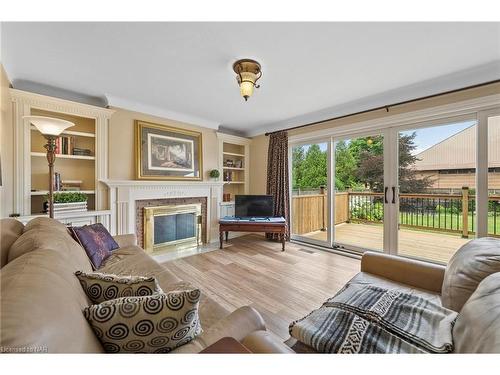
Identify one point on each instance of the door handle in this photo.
(385, 194)
(393, 195)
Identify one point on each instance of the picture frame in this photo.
(166, 153)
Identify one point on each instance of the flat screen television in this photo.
(253, 206)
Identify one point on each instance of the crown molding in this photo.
(59, 105)
(461, 108)
(131, 105)
(233, 138)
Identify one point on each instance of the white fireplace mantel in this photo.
(124, 193)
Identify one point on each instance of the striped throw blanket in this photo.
(369, 319)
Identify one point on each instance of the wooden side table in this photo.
(226, 345)
(252, 226)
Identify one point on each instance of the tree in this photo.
(309, 170)
(345, 166)
(409, 180)
(297, 166)
(371, 171)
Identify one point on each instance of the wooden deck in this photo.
(282, 286)
(437, 247)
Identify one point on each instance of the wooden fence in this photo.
(310, 212)
(437, 212)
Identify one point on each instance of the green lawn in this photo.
(447, 221)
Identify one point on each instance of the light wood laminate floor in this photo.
(282, 286)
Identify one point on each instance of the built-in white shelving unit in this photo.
(90, 132)
(234, 158)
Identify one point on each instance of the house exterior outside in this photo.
(450, 164)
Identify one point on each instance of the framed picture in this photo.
(166, 153)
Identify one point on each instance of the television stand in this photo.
(266, 225)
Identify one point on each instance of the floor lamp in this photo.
(50, 128)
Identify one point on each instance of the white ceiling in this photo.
(311, 71)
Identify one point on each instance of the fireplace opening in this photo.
(169, 228)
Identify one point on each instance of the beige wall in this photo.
(258, 164)
(121, 143)
(6, 146)
(259, 143)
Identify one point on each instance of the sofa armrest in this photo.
(238, 324)
(412, 272)
(124, 240)
(263, 342)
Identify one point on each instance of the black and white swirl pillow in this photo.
(157, 323)
(100, 287)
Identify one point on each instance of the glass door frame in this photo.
(479, 111)
(297, 237)
(393, 174)
(481, 119)
(385, 133)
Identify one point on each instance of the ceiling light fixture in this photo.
(248, 73)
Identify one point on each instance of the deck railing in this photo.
(435, 212)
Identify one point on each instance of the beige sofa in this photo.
(469, 284)
(42, 301)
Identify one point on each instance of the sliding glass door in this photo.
(419, 190)
(359, 199)
(437, 189)
(310, 203)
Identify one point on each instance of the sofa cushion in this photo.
(473, 262)
(101, 287)
(45, 223)
(477, 329)
(365, 278)
(151, 324)
(10, 231)
(96, 241)
(41, 302)
(58, 240)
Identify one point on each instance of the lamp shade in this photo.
(248, 72)
(49, 125)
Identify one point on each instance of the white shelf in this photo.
(71, 132)
(64, 156)
(234, 182)
(45, 192)
(233, 168)
(230, 203)
(233, 154)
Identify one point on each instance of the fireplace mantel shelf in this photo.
(147, 183)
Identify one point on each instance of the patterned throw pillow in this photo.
(96, 241)
(100, 287)
(151, 324)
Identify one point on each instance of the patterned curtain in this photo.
(277, 178)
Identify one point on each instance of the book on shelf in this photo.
(56, 182)
(81, 151)
(71, 185)
(65, 145)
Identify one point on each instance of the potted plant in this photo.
(214, 174)
(71, 201)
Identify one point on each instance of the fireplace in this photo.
(172, 227)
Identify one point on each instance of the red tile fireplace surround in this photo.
(141, 204)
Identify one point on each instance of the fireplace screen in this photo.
(172, 227)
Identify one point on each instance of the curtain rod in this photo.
(387, 106)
